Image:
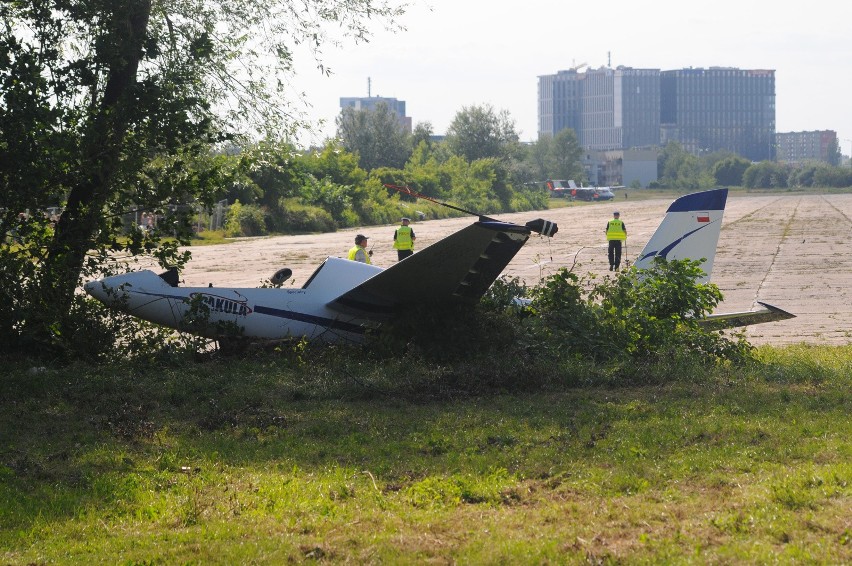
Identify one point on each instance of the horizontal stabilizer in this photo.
(543, 227)
(767, 313)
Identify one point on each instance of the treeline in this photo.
(680, 169)
(480, 165)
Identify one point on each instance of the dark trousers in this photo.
(614, 254)
(402, 254)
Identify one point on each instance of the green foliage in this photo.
(291, 216)
(836, 177)
(679, 169)
(113, 109)
(334, 163)
(277, 171)
(331, 180)
(376, 136)
(471, 184)
(444, 333)
(648, 316)
(331, 197)
(375, 205)
(422, 133)
(308, 455)
(479, 132)
(805, 176)
(505, 294)
(729, 171)
(766, 175)
(245, 220)
(639, 326)
(557, 157)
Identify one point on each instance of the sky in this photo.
(462, 53)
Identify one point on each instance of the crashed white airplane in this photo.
(344, 299)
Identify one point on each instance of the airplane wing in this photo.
(456, 269)
(767, 313)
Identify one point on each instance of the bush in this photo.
(245, 220)
(647, 316)
(294, 217)
(639, 327)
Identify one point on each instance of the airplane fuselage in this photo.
(264, 313)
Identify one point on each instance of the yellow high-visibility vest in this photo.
(363, 256)
(403, 239)
(615, 230)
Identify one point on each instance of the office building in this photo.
(704, 110)
(619, 108)
(370, 102)
(559, 102)
(797, 148)
(719, 108)
(606, 108)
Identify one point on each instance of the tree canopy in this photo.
(376, 135)
(103, 104)
(558, 157)
(478, 132)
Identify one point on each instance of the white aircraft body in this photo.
(344, 299)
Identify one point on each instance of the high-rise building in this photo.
(559, 102)
(370, 102)
(619, 108)
(719, 108)
(800, 147)
(702, 109)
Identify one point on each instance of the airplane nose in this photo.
(95, 289)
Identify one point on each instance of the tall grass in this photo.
(326, 456)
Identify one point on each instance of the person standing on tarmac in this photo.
(359, 251)
(403, 240)
(616, 233)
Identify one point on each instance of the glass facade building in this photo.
(719, 109)
(619, 109)
(702, 109)
(559, 102)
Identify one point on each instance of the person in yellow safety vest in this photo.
(359, 252)
(403, 240)
(616, 233)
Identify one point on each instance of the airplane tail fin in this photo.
(690, 230)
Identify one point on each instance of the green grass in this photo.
(210, 238)
(324, 458)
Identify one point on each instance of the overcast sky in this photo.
(458, 53)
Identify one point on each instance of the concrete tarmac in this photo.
(788, 250)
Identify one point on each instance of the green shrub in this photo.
(245, 220)
(648, 316)
(294, 217)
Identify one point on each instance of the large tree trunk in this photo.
(99, 163)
